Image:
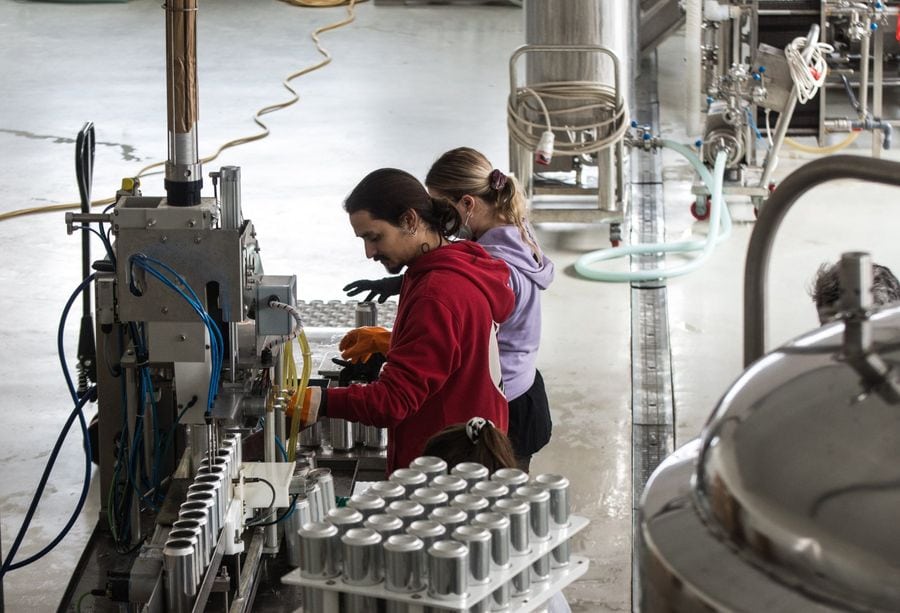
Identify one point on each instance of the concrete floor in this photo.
(405, 85)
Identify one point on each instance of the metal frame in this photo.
(522, 164)
(770, 217)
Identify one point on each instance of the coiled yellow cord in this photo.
(351, 16)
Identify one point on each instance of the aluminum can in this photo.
(513, 478)
(311, 436)
(521, 583)
(192, 535)
(358, 603)
(363, 562)
(205, 505)
(341, 434)
(219, 479)
(388, 490)
(518, 512)
(301, 515)
(325, 480)
(472, 472)
(367, 504)
(558, 488)
(344, 518)
(363, 565)
(231, 444)
(430, 465)
(384, 524)
(206, 501)
(428, 532)
(430, 498)
(319, 551)
(375, 437)
(225, 457)
(449, 517)
(498, 525)
(313, 493)
(366, 314)
(181, 585)
(478, 540)
(539, 502)
(404, 557)
(359, 433)
(201, 521)
(540, 569)
(407, 510)
(214, 490)
(234, 438)
(492, 490)
(409, 478)
(472, 504)
(448, 570)
(451, 484)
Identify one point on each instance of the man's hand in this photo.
(359, 344)
(383, 288)
(361, 372)
(309, 406)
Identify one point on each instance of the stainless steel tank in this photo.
(789, 499)
(611, 24)
(582, 22)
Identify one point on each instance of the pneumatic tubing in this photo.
(216, 341)
(719, 230)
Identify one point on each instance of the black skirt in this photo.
(530, 425)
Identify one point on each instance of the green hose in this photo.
(719, 230)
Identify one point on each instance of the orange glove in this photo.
(358, 345)
(309, 409)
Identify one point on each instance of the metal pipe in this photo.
(184, 175)
(877, 85)
(864, 45)
(770, 217)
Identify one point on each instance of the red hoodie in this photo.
(443, 364)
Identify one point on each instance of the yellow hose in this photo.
(299, 394)
(823, 150)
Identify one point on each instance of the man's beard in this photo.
(395, 269)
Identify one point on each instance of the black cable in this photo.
(284, 516)
(274, 495)
(39, 491)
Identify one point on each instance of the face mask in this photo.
(465, 232)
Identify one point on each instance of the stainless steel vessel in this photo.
(788, 499)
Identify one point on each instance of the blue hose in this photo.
(719, 230)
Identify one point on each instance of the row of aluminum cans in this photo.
(193, 538)
(429, 529)
(343, 435)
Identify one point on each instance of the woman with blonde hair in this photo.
(493, 209)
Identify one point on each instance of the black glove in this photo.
(383, 288)
(360, 372)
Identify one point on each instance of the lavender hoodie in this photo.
(520, 335)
